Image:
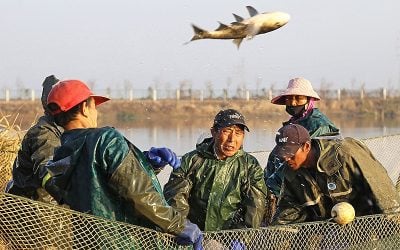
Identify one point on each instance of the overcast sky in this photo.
(334, 44)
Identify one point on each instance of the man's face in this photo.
(228, 140)
(299, 158)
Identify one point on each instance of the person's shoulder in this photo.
(107, 132)
(43, 128)
(250, 159)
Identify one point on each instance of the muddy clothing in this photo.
(346, 171)
(36, 150)
(218, 194)
(97, 171)
(318, 125)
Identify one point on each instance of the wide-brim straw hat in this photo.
(296, 86)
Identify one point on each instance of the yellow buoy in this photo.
(343, 213)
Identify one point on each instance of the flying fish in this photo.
(258, 23)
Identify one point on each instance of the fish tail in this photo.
(198, 33)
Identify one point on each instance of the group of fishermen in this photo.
(216, 186)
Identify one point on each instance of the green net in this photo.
(27, 224)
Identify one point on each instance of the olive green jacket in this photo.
(218, 194)
(346, 171)
(98, 171)
(318, 125)
(37, 148)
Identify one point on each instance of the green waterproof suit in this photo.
(36, 150)
(218, 194)
(346, 171)
(98, 171)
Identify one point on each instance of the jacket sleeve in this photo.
(288, 208)
(255, 196)
(132, 182)
(178, 187)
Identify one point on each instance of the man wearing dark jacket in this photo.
(97, 171)
(324, 172)
(219, 185)
(36, 150)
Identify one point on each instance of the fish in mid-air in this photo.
(258, 23)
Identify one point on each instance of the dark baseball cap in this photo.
(229, 117)
(289, 139)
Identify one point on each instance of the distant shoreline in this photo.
(141, 111)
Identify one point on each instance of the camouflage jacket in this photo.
(37, 148)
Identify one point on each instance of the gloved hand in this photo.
(191, 235)
(237, 245)
(159, 157)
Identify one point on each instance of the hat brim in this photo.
(287, 150)
(98, 99)
(233, 123)
(280, 99)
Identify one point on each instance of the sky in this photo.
(334, 44)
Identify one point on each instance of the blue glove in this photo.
(237, 245)
(191, 235)
(159, 157)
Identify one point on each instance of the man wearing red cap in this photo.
(98, 171)
(324, 172)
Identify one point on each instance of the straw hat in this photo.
(296, 86)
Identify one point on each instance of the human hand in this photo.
(159, 157)
(191, 235)
(237, 245)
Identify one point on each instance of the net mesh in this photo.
(28, 224)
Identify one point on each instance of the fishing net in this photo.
(27, 224)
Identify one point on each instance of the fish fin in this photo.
(238, 18)
(198, 33)
(238, 24)
(252, 11)
(237, 42)
(222, 26)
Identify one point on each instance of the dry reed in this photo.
(10, 139)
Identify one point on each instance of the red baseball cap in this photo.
(69, 93)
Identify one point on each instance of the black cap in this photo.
(289, 139)
(47, 85)
(229, 117)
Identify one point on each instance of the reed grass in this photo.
(10, 139)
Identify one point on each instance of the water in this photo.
(183, 137)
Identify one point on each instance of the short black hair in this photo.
(63, 118)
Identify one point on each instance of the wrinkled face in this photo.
(299, 158)
(295, 100)
(228, 140)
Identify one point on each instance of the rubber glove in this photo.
(159, 157)
(191, 235)
(237, 245)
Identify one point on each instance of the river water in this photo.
(182, 136)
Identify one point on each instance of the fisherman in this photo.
(219, 185)
(98, 171)
(324, 172)
(299, 98)
(36, 150)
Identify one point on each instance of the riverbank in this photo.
(147, 111)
